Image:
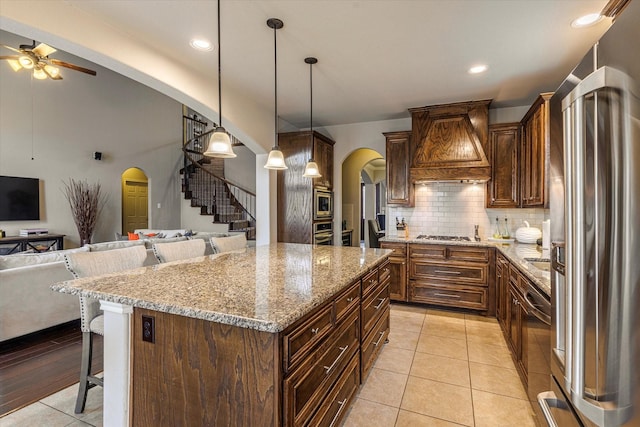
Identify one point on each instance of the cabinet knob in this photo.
(314, 331)
(493, 199)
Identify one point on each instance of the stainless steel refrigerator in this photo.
(595, 232)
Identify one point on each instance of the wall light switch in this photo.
(159, 205)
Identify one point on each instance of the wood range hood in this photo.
(449, 142)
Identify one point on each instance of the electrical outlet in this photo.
(149, 329)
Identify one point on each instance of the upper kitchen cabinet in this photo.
(449, 142)
(534, 162)
(295, 192)
(503, 189)
(399, 185)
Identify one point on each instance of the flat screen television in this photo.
(19, 198)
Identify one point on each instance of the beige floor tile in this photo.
(441, 346)
(65, 401)
(36, 415)
(406, 308)
(493, 410)
(395, 360)
(444, 401)
(452, 316)
(408, 323)
(494, 379)
(364, 412)
(469, 317)
(490, 354)
(444, 328)
(486, 337)
(411, 419)
(443, 369)
(399, 338)
(384, 387)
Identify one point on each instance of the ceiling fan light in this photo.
(52, 71)
(311, 170)
(13, 63)
(220, 145)
(275, 160)
(26, 62)
(39, 74)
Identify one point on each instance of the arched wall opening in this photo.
(135, 200)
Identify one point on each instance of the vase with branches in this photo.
(86, 201)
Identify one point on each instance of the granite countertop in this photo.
(515, 252)
(266, 288)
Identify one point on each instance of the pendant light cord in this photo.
(275, 85)
(219, 72)
(311, 100)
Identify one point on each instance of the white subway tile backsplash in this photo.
(453, 209)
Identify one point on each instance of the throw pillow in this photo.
(133, 236)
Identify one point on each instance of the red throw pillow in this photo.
(133, 236)
(151, 234)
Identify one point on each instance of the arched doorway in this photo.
(361, 200)
(135, 200)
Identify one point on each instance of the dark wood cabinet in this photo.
(534, 163)
(397, 270)
(399, 186)
(515, 326)
(295, 192)
(502, 284)
(453, 276)
(503, 189)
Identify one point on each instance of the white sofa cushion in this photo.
(107, 246)
(23, 260)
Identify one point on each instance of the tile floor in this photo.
(439, 369)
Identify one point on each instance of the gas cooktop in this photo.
(448, 238)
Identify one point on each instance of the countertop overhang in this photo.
(266, 288)
(515, 252)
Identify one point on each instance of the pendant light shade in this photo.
(219, 142)
(311, 170)
(276, 158)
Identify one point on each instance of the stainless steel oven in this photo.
(323, 233)
(322, 204)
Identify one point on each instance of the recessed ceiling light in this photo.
(586, 20)
(476, 69)
(201, 44)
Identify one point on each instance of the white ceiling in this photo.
(375, 58)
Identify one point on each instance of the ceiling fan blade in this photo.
(13, 49)
(15, 57)
(43, 50)
(13, 62)
(72, 66)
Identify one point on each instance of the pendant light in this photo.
(311, 170)
(276, 158)
(219, 143)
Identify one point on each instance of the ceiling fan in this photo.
(36, 58)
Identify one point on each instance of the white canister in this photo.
(528, 234)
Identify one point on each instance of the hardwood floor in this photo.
(40, 364)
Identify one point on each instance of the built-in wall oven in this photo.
(322, 204)
(323, 233)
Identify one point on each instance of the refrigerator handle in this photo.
(543, 400)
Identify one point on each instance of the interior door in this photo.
(135, 206)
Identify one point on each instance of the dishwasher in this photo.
(538, 347)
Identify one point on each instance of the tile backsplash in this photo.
(452, 208)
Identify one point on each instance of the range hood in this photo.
(449, 142)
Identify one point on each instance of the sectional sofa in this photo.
(27, 304)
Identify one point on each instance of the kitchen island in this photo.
(270, 336)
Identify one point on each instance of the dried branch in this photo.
(86, 202)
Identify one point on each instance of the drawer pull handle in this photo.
(446, 272)
(440, 294)
(349, 299)
(337, 415)
(382, 300)
(330, 368)
(375, 344)
(314, 331)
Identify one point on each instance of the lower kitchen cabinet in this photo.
(502, 284)
(397, 269)
(515, 325)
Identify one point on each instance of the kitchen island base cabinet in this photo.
(397, 270)
(203, 373)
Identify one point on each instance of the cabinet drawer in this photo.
(301, 340)
(306, 387)
(333, 410)
(369, 281)
(372, 343)
(450, 295)
(373, 307)
(428, 251)
(384, 271)
(468, 254)
(449, 272)
(347, 301)
(399, 249)
(517, 279)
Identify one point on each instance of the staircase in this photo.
(203, 182)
